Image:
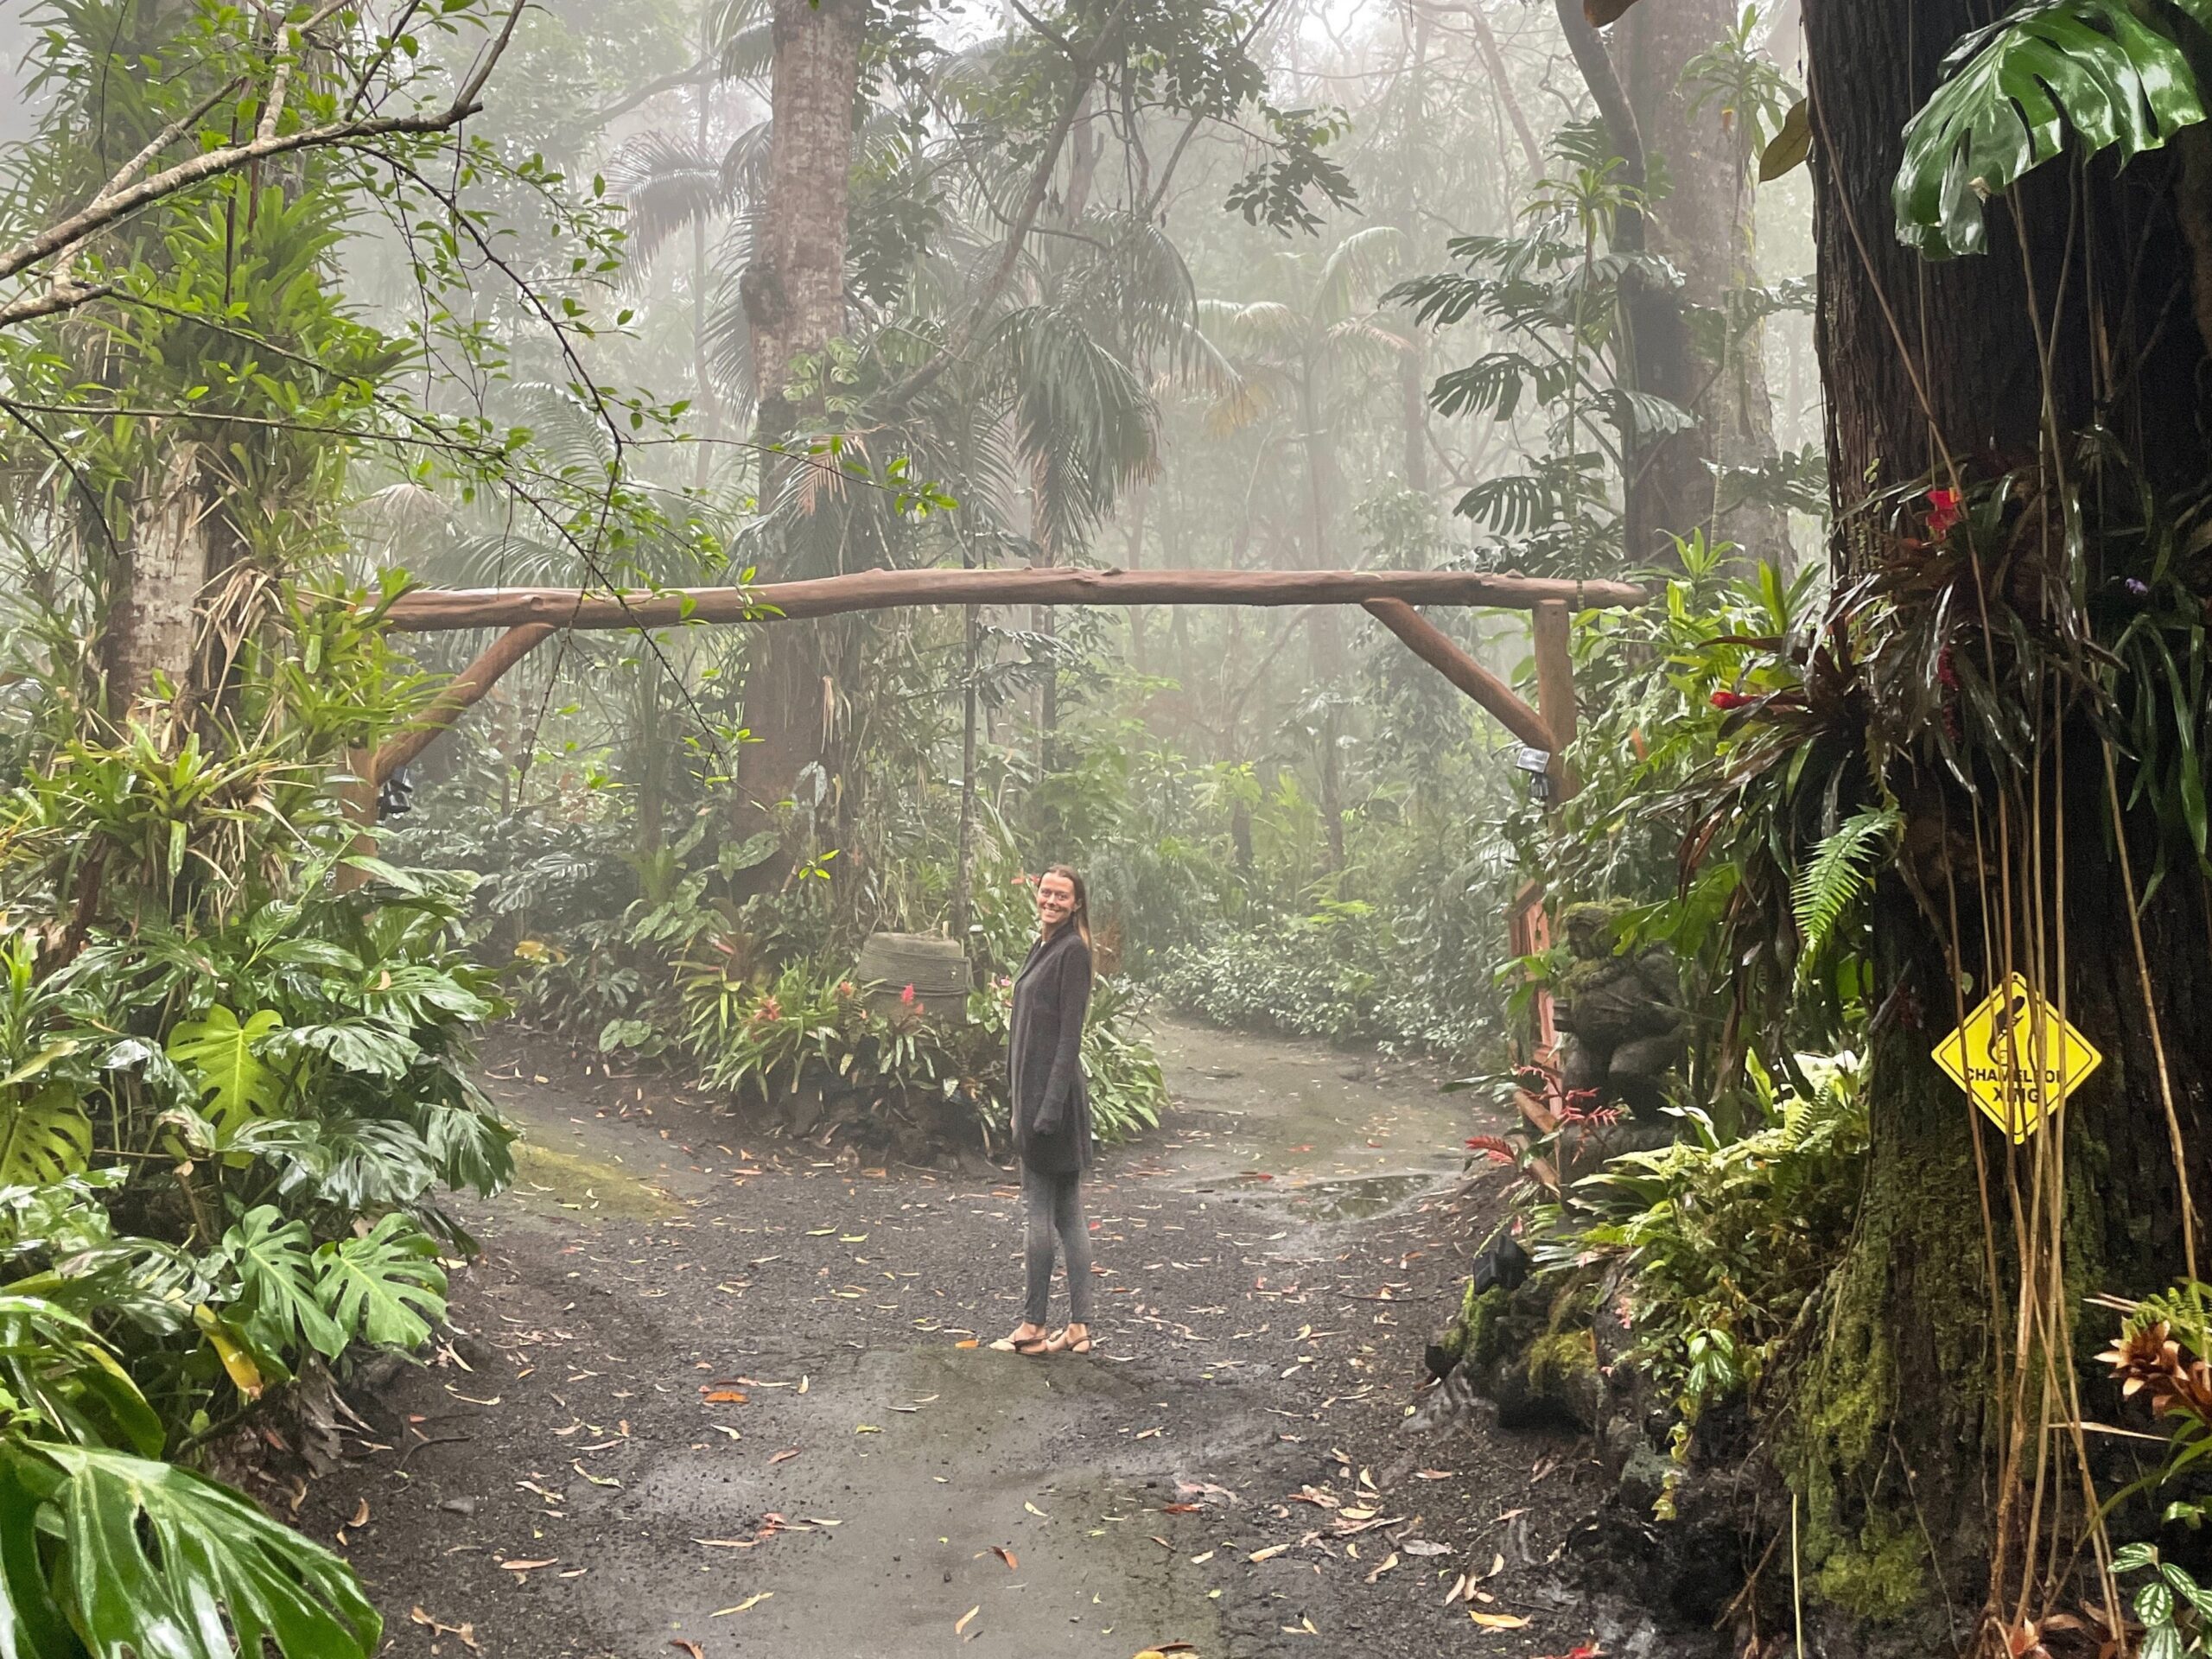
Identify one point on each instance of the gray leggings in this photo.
(1054, 1205)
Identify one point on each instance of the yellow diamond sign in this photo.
(2017, 1058)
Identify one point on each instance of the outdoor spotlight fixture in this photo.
(1537, 763)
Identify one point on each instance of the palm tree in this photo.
(1302, 358)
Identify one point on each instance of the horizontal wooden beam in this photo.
(1438, 649)
(434, 611)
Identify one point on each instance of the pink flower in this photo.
(907, 996)
(1944, 510)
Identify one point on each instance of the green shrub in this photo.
(758, 1036)
(1726, 1241)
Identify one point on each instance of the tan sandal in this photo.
(1060, 1344)
(1027, 1347)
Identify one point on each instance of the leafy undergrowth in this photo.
(760, 1038)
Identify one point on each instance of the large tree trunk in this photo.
(1702, 226)
(1894, 1432)
(794, 294)
(155, 584)
(794, 290)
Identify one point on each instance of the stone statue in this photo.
(1620, 1014)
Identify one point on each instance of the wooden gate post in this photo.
(1552, 623)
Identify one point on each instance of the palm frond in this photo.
(1353, 275)
(667, 184)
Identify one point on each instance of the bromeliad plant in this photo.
(761, 1038)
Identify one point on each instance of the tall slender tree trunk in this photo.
(1325, 631)
(1041, 621)
(794, 297)
(1702, 227)
(1895, 1427)
(1665, 482)
(1412, 363)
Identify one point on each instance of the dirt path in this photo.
(717, 1395)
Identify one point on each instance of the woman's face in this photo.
(1055, 900)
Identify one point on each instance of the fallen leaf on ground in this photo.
(1181, 1508)
(1499, 1621)
(439, 1627)
(530, 1566)
(1013, 1564)
(1034, 1510)
(751, 1601)
(691, 1648)
(961, 1623)
(1388, 1561)
(1435, 1474)
(1268, 1554)
(969, 1342)
(788, 1451)
(724, 1396)
(361, 1515)
(1423, 1547)
(866, 1428)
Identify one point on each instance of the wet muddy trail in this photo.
(718, 1396)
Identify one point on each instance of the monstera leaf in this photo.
(220, 1052)
(156, 1561)
(385, 1288)
(45, 1136)
(2108, 70)
(281, 1308)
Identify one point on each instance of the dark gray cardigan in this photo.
(1044, 1060)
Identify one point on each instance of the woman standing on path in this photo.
(1051, 1110)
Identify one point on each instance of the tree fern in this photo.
(1833, 879)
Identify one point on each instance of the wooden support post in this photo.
(1553, 627)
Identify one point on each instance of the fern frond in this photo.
(1837, 875)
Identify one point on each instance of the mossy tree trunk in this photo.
(1893, 1430)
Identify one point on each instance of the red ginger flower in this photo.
(1728, 702)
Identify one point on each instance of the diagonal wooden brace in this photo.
(1436, 648)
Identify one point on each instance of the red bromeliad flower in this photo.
(1729, 701)
(1497, 1149)
(1582, 1107)
(907, 996)
(1945, 509)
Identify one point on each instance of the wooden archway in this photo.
(532, 615)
